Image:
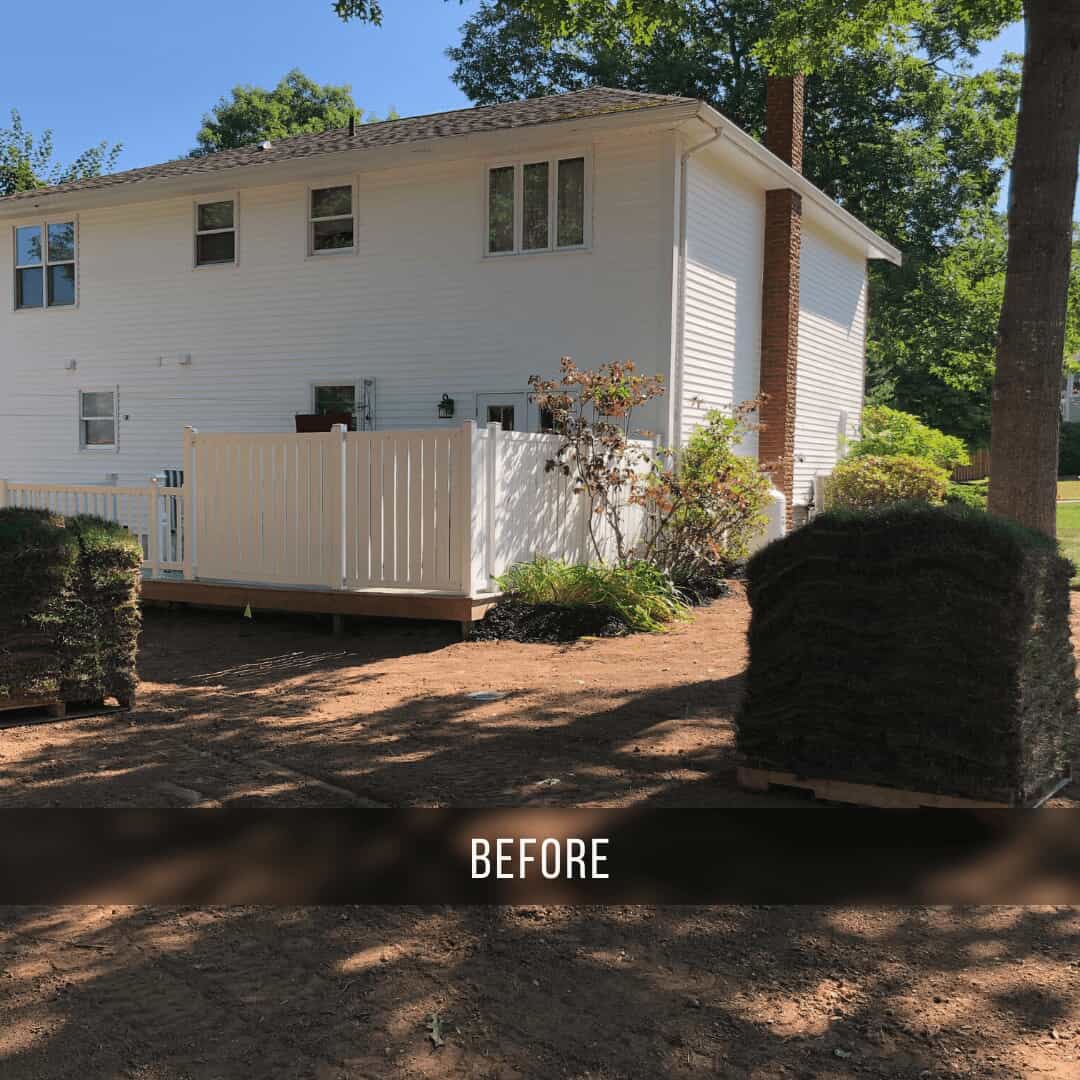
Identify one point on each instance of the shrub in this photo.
(862, 483)
(642, 595)
(1069, 450)
(706, 504)
(972, 493)
(592, 412)
(917, 647)
(889, 432)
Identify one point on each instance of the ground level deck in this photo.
(378, 603)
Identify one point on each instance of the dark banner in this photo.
(519, 856)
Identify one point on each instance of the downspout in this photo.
(675, 435)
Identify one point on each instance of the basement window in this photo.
(97, 419)
(45, 265)
(538, 205)
(215, 233)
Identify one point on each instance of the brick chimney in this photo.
(780, 287)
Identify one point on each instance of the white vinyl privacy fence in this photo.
(442, 511)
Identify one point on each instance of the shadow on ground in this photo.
(584, 993)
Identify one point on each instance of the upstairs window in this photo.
(331, 226)
(215, 233)
(45, 265)
(537, 206)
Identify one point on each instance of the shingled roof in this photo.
(598, 101)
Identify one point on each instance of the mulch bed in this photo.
(515, 620)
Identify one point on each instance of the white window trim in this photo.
(43, 224)
(202, 200)
(84, 447)
(345, 181)
(518, 163)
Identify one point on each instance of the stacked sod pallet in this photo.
(914, 647)
(103, 628)
(69, 617)
(38, 559)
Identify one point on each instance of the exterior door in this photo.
(510, 410)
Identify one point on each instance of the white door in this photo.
(510, 410)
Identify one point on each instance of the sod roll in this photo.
(914, 647)
(69, 614)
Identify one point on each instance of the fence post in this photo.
(494, 449)
(339, 574)
(153, 528)
(462, 504)
(190, 564)
(3, 494)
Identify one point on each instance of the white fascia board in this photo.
(830, 213)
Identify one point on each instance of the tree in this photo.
(1031, 334)
(934, 350)
(296, 106)
(27, 163)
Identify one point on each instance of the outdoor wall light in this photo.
(446, 407)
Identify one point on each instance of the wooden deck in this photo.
(378, 603)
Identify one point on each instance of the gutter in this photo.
(675, 434)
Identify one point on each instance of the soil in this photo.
(276, 711)
(578, 993)
(547, 624)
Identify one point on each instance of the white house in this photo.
(384, 270)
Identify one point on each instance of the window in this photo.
(330, 220)
(97, 419)
(215, 233)
(537, 206)
(502, 414)
(336, 401)
(45, 265)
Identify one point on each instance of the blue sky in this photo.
(144, 75)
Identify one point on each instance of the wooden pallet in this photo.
(19, 712)
(842, 791)
(53, 706)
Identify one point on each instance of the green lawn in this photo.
(1069, 489)
(1068, 531)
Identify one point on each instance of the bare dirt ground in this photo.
(589, 994)
(278, 712)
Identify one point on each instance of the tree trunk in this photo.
(1031, 333)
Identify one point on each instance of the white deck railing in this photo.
(153, 514)
(442, 511)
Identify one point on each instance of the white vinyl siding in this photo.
(421, 312)
(832, 329)
(722, 304)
